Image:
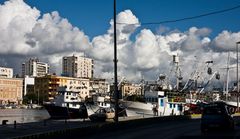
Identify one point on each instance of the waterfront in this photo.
(23, 115)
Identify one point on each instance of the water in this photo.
(23, 115)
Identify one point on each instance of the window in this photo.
(161, 102)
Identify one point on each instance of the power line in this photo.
(186, 18)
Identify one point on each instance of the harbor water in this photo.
(23, 115)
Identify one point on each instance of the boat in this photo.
(97, 103)
(156, 105)
(66, 105)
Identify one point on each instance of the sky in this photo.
(52, 29)
(93, 16)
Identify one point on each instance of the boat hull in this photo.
(57, 112)
(146, 109)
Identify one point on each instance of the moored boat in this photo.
(66, 105)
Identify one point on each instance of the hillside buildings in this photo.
(76, 66)
(34, 68)
(6, 72)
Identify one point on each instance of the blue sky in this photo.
(93, 16)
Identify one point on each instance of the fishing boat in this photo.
(66, 105)
(157, 103)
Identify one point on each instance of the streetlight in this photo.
(115, 64)
(237, 77)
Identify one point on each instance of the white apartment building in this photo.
(6, 72)
(76, 66)
(34, 68)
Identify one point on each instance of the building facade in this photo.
(6, 72)
(28, 84)
(78, 67)
(47, 86)
(34, 68)
(129, 89)
(11, 90)
(99, 86)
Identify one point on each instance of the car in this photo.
(217, 115)
(102, 114)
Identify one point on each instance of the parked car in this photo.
(102, 114)
(217, 115)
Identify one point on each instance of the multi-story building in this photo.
(76, 66)
(11, 90)
(129, 89)
(33, 67)
(99, 86)
(28, 85)
(6, 72)
(47, 87)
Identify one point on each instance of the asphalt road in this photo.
(166, 130)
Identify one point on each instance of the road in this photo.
(166, 130)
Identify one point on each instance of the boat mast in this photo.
(227, 75)
(176, 62)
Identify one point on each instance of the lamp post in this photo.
(115, 65)
(237, 77)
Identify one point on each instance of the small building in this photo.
(11, 90)
(129, 89)
(99, 86)
(6, 72)
(28, 85)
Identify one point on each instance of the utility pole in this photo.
(115, 65)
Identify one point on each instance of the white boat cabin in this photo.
(165, 107)
(67, 99)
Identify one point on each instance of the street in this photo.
(166, 130)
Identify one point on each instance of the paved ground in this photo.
(23, 129)
(161, 129)
(188, 129)
(8, 131)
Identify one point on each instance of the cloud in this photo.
(226, 41)
(27, 33)
(17, 19)
(102, 45)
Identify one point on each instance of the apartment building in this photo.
(76, 66)
(47, 86)
(34, 68)
(99, 86)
